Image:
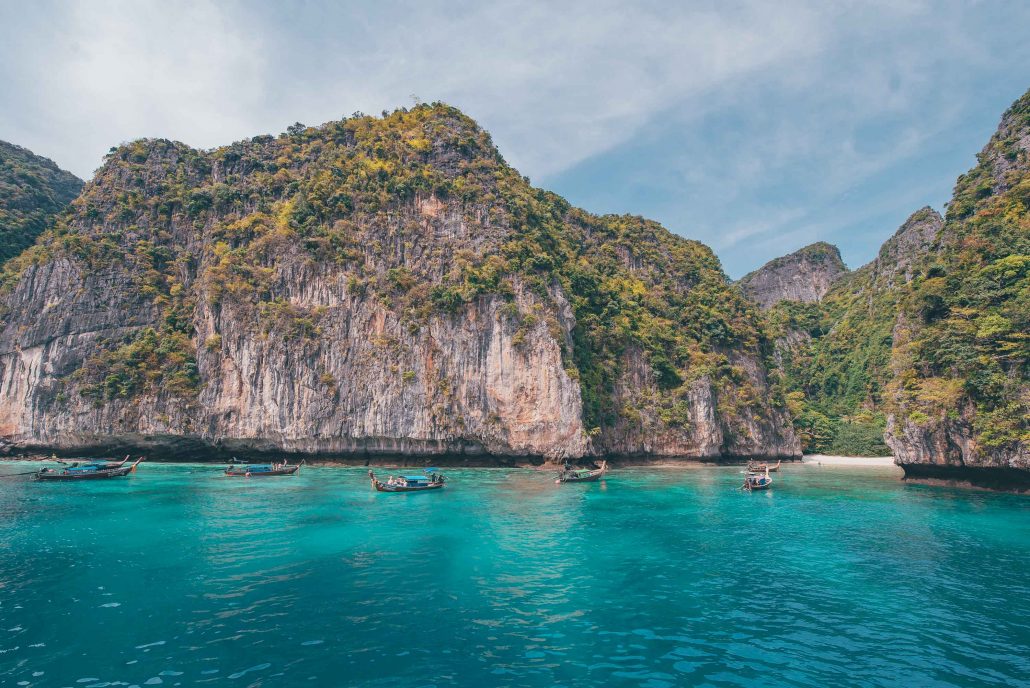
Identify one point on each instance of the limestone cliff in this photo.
(960, 391)
(899, 254)
(373, 287)
(835, 354)
(804, 276)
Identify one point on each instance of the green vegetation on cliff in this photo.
(835, 372)
(211, 229)
(964, 335)
(836, 354)
(32, 191)
(935, 332)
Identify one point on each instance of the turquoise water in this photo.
(177, 576)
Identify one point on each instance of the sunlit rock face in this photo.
(805, 275)
(367, 289)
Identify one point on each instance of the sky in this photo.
(755, 127)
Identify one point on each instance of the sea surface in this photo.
(176, 576)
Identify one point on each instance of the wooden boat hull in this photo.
(92, 475)
(585, 479)
(420, 486)
(758, 483)
(761, 467)
(380, 487)
(591, 477)
(290, 470)
(117, 471)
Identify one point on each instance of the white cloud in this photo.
(558, 83)
(555, 84)
(115, 71)
(743, 124)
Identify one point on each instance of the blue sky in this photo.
(755, 127)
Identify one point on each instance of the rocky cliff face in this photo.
(805, 276)
(960, 395)
(32, 190)
(910, 244)
(372, 287)
(835, 354)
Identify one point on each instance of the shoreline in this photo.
(832, 460)
(400, 462)
(409, 460)
(977, 479)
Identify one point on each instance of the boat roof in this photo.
(414, 477)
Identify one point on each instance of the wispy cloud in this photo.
(95, 74)
(556, 83)
(838, 144)
(748, 125)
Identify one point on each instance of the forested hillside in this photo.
(836, 353)
(32, 191)
(374, 285)
(960, 382)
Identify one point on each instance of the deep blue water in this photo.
(838, 576)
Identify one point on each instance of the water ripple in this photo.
(653, 578)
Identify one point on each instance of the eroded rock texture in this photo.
(372, 288)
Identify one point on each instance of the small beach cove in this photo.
(829, 460)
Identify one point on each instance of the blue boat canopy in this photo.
(414, 478)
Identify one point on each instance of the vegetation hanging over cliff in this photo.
(219, 230)
(32, 191)
(836, 354)
(935, 332)
(963, 346)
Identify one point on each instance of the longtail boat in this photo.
(89, 470)
(757, 481)
(754, 467)
(571, 475)
(260, 470)
(408, 483)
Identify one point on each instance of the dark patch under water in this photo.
(837, 576)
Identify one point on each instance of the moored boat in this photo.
(583, 475)
(260, 470)
(408, 483)
(757, 481)
(89, 470)
(754, 467)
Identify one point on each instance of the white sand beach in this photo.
(828, 460)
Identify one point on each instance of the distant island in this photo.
(390, 287)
